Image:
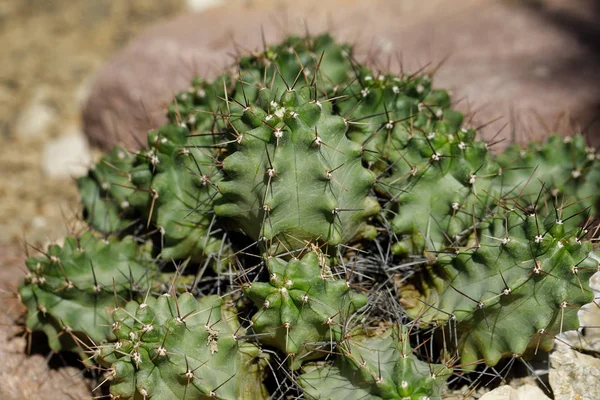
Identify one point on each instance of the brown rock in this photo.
(538, 58)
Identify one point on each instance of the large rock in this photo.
(525, 392)
(538, 60)
(574, 375)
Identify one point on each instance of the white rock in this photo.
(574, 375)
(588, 339)
(201, 5)
(36, 117)
(525, 392)
(67, 156)
(501, 393)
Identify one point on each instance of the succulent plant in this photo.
(381, 366)
(302, 306)
(293, 177)
(70, 290)
(181, 347)
(429, 220)
(106, 192)
(311, 184)
(511, 292)
(559, 176)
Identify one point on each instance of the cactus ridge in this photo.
(293, 177)
(302, 306)
(70, 290)
(376, 367)
(520, 286)
(170, 347)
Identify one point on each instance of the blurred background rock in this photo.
(119, 62)
(50, 51)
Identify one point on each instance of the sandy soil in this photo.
(51, 50)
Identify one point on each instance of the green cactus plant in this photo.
(381, 366)
(182, 193)
(184, 348)
(512, 291)
(314, 163)
(70, 290)
(302, 306)
(429, 220)
(293, 177)
(106, 191)
(560, 175)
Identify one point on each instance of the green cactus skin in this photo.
(181, 348)
(511, 293)
(380, 367)
(106, 191)
(70, 291)
(293, 177)
(297, 59)
(568, 170)
(378, 104)
(301, 306)
(182, 193)
(440, 186)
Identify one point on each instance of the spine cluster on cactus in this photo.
(263, 195)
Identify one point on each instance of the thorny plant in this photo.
(308, 227)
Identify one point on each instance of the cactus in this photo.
(510, 293)
(182, 193)
(462, 169)
(295, 166)
(301, 306)
(377, 105)
(106, 191)
(375, 367)
(69, 290)
(293, 177)
(560, 176)
(181, 348)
